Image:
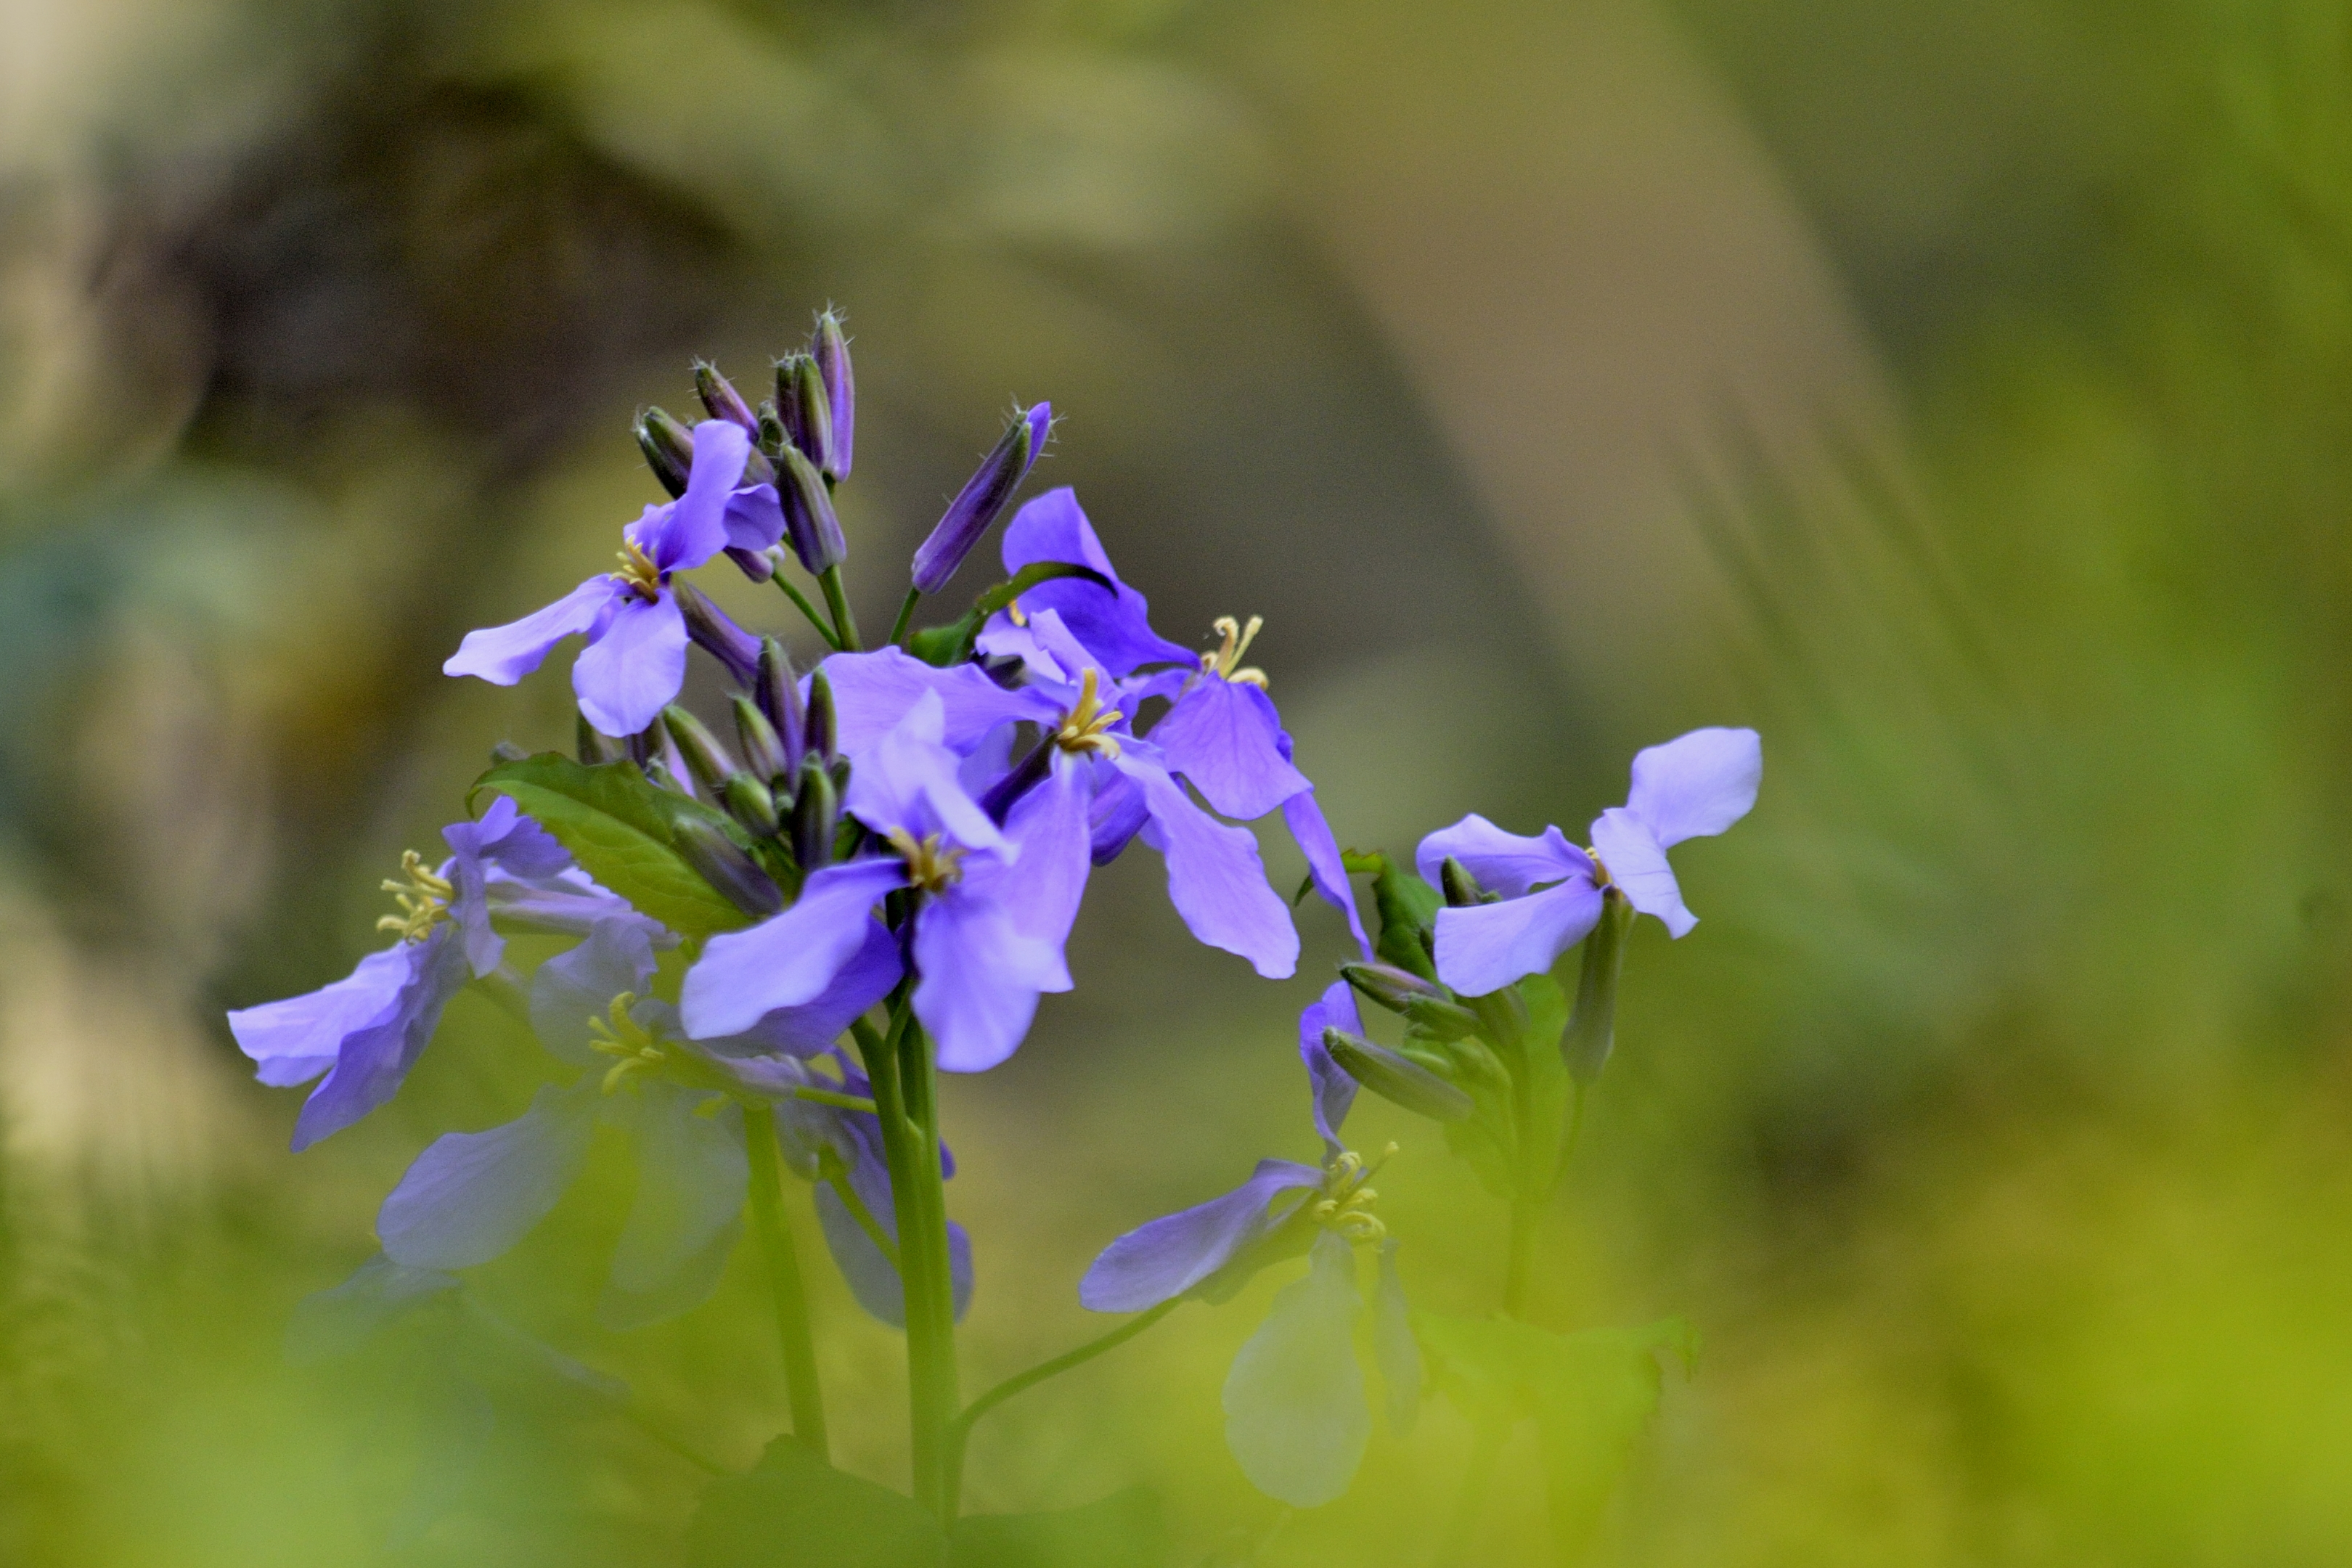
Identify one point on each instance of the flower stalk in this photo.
(801, 1387)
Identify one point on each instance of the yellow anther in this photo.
(1084, 726)
(424, 899)
(931, 865)
(1225, 663)
(1019, 616)
(1599, 872)
(637, 570)
(621, 1036)
(1346, 1204)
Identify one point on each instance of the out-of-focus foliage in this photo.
(1993, 1129)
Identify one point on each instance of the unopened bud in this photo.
(819, 735)
(831, 353)
(595, 746)
(1461, 888)
(983, 497)
(719, 396)
(1592, 1025)
(1397, 1077)
(812, 418)
(762, 749)
(816, 809)
(705, 758)
(752, 803)
(772, 434)
(777, 691)
(1401, 991)
(716, 633)
(726, 867)
(668, 447)
(809, 520)
(756, 564)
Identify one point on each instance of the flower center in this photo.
(424, 899)
(1225, 663)
(621, 1038)
(1345, 1206)
(1599, 872)
(637, 570)
(931, 865)
(1084, 726)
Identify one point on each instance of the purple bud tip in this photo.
(983, 498)
(719, 396)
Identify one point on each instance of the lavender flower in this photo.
(1691, 787)
(1295, 1414)
(635, 659)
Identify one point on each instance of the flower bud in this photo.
(725, 866)
(719, 396)
(820, 735)
(1398, 1078)
(669, 449)
(752, 804)
(809, 520)
(777, 691)
(812, 415)
(1461, 888)
(983, 497)
(774, 437)
(1592, 1025)
(816, 810)
(1400, 991)
(756, 564)
(716, 632)
(705, 759)
(831, 353)
(595, 746)
(762, 749)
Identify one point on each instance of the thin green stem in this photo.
(906, 616)
(834, 1098)
(932, 1302)
(836, 1177)
(801, 599)
(845, 624)
(960, 1429)
(807, 1400)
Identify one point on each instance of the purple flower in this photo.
(1691, 787)
(1295, 1414)
(471, 1196)
(635, 659)
(1113, 624)
(365, 1031)
(980, 960)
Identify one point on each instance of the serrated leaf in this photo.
(793, 1511)
(621, 829)
(1124, 1529)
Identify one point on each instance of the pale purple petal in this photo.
(505, 839)
(1001, 637)
(1215, 879)
(1118, 814)
(1504, 863)
(1296, 1416)
(295, 1040)
(373, 1059)
(813, 1026)
(1334, 1091)
(559, 908)
(693, 528)
(1162, 1260)
(1049, 824)
(504, 654)
(1636, 862)
(790, 958)
(870, 1276)
(1482, 949)
(630, 673)
(1312, 833)
(575, 988)
(909, 780)
(692, 1177)
(874, 691)
(979, 977)
(1394, 1346)
(1115, 626)
(755, 518)
(472, 1195)
(1697, 785)
(1224, 737)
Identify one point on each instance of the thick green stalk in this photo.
(845, 624)
(959, 1431)
(918, 1092)
(800, 1389)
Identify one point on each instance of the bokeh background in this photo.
(1961, 393)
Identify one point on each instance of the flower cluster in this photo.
(780, 938)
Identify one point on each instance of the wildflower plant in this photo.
(782, 939)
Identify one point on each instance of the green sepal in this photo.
(951, 644)
(621, 830)
(1407, 908)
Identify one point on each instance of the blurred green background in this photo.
(1961, 394)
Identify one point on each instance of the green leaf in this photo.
(1407, 907)
(951, 644)
(1123, 1528)
(793, 1511)
(621, 829)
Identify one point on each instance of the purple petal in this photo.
(1118, 814)
(692, 1177)
(504, 654)
(909, 780)
(1223, 736)
(693, 528)
(373, 1059)
(635, 669)
(1503, 862)
(1697, 785)
(790, 958)
(1115, 626)
(1162, 1260)
(813, 1026)
(1333, 1090)
(1483, 949)
(869, 1275)
(507, 840)
(1312, 833)
(979, 977)
(754, 518)
(558, 907)
(1296, 1418)
(575, 988)
(874, 691)
(1394, 1346)
(1215, 879)
(472, 1195)
(1637, 864)
(1049, 824)
(295, 1040)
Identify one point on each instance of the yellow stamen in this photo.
(1084, 726)
(1019, 616)
(637, 570)
(1599, 872)
(931, 865)
(1345, 1206)
(621, 1036)
(1225, 663)
(424, 899)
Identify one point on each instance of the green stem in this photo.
(836, 1177)
(960, 1429)
(845, 624)
(918, 1091)
(807, 1400)
(801, 599)
(906, 616)
(828, 1097)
